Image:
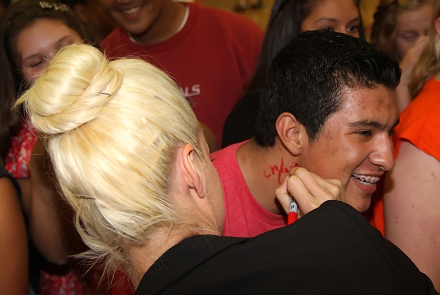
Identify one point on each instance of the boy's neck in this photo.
(170, 21)
(264, 169)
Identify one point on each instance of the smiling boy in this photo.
(329, 106)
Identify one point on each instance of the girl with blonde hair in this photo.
(115, 176)
(400, 30)
(429, 63)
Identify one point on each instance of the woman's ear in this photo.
(437, 26)
(291, 133)
(191, 166)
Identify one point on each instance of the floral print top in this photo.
(17, 160)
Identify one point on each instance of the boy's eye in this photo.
(365, 133)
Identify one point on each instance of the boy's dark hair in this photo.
(307, 78)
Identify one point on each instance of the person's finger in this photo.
(334, 186)
(301, 193)
(317, 186)
(336, 189)
(308, 189)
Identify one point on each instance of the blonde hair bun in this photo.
(112, 130)
(73, 90)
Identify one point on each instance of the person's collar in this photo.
(181, 259)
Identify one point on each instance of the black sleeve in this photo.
(331, 250)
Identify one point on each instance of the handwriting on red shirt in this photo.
(277, 171)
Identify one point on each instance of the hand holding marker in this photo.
(308, 188)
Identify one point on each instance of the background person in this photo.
(210, 53)
(31, 32)
(288, 19)
(400, 30)
(412, 191)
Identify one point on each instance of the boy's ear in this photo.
(191, 170)
(291, 133)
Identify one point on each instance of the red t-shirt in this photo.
(212, 59)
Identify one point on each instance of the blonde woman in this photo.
(130, 157)
(400, 30)
(412, 189)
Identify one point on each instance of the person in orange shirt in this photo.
(412, 188)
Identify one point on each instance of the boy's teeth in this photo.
(366, 179)
(132, 10)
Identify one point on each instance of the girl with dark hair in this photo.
(31, 32)
(288, 19)
(22, 60)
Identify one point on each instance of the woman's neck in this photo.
(143, 257)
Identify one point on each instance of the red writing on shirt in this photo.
(277, 171)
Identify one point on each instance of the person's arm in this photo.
(13, 242)
(412, 208)
(50, 218)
